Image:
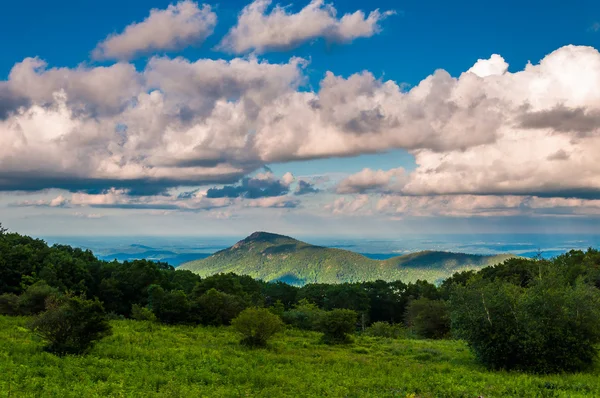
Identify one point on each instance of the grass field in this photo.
(151, 360)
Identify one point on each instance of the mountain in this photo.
(273, 257)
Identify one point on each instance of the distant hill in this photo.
(166, 256)
(273, 257)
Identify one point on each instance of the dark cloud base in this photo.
(30, 182)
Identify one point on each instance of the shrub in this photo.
(337, 325)
(429, 319)
(33, 300)
(169, 307)
(71, 325)
(303, 316)
(277, 308)
(216, 308)
(9, 304)
(257, 326)
(550, 326)
(140, 313)
(384, 329)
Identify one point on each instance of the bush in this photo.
(169, 307)
(304, 316)
(257, 326)
(9, 304)
(550, 326)
(337, 325)
(33, 300)
(216, 308)
(384, 329)
(277, 308)
(429, 319)
(140, 313)
(71, 325)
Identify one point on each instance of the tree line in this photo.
(528, 314)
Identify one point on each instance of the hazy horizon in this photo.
(176, 250)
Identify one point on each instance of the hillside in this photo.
(272, 257)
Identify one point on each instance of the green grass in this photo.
(151, 360)
(276, 257)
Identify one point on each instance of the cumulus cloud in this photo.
(494, 66)
(305, 188)
(483, 206)
(595, 27)
(191, 201)
(97, 128)
(208, 122)
(400, 206)
(174, 28)
(98, 91)
(278, 30)
(562, 119)
(262, 186)
(59, 201)
(546, 145)
(373, 180)
(9, 101)
(349, 206)
(277, 202)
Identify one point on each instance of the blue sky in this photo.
(388, 170)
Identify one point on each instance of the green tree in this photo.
(277, 308)
(257, 326)
(387, 301)
(337, 325)
(242, 286)
(140, 313)
(384, 329)
(428, 318)
(549, 326)
(169, 307)
(71, 325)
(217, 308)
(279, 291)
(304, 315)
(9, 304)
(33, 300)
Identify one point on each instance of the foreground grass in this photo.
(151, 360)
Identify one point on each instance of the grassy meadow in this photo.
(143, 359)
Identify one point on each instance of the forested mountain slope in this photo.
(271, 257)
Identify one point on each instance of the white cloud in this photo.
(59, 201)
(283, 202)
(264, 190)
(97, 91)
(182, 123)
(287, 178)
(349, 206)
(261, 31)
(546, 144)
(483, 206)
(369, 180)
(494, 66)
(177, 26)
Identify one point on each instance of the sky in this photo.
(353, 118)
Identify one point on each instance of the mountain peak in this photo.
(261, 236)
(272, 257)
